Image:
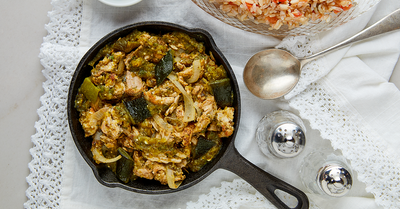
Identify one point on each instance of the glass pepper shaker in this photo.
(281, 133)
(328, 175)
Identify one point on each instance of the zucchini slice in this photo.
(203, 146)
(137, 109)
(164, 67)
(124, 166)
(223, 93)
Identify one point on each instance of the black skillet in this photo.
(228, 158)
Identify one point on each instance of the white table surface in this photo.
(22, 31)
(21, 34)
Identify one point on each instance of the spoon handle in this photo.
(389, 23)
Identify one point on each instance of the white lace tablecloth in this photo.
(345, 99)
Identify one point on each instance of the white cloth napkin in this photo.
(359, 86)
(351, 103)
(354, 80)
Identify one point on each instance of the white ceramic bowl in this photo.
(120, 3)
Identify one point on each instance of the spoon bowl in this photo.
(272, 73)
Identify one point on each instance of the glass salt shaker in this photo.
(327, 174)
(281, 134)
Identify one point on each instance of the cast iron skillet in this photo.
(228, 158)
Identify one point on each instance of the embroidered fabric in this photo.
(238, 194)
(303, 46)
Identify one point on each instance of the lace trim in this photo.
(238, 194)
(59, 56)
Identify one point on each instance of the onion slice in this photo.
(171, 179)
(162, 124)
(99, 157)
(196, 72)
(190, 111)
(198, 110)
(99, 114)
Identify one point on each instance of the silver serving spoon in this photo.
(272, 73)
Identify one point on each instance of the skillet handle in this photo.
(262, 181)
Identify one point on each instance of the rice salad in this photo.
(276, 13)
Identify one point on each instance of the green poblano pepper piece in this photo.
(203, 146)
(223, 93)
(124, 166)
(164, 67)
(89, 90)
(105, 51)
(137, 109)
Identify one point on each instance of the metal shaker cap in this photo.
(287, 140)
(334, 180)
